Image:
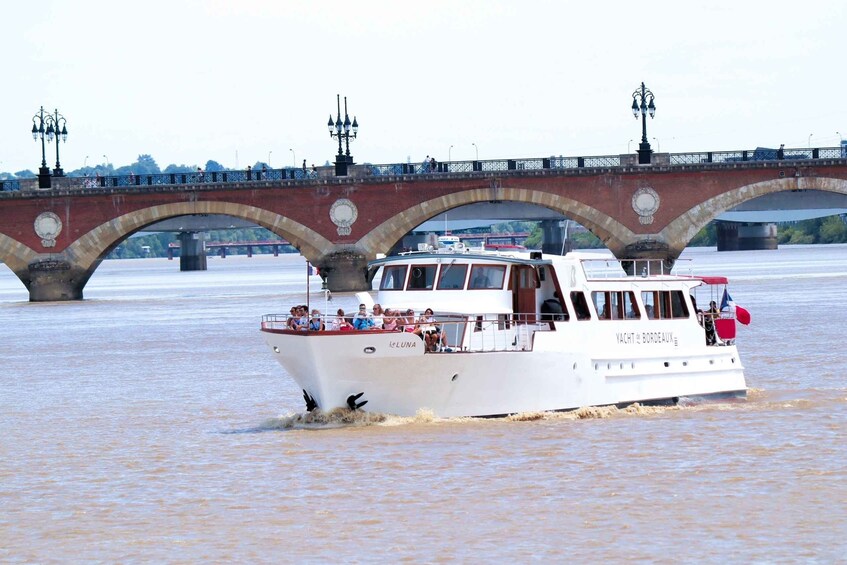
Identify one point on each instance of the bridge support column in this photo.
(656, 256)
(734, 236)
(553, 238)
(52, 280)
(192, 251)
(344, 271)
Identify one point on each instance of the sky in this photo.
(243, 81)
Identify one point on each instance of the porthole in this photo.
(276, 349)
(667, 364)
(369, 349)
(455, 376)
(574, 366)
(596, 366)
(685, 363)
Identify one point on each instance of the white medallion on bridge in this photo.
(645, 202)
(343, 214)
(48, 226)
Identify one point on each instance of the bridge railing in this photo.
(427, 168)
(10, 185)
(759, 154)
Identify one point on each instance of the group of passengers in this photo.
(399, 320)
(299, 319)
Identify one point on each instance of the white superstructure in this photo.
(522, 333)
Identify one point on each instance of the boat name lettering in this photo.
(402, 344)
(639, 338)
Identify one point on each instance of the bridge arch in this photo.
(679, 232)
(62, 276)
(380, 239)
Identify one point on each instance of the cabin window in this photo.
(580, 306)
(679, 309)
(393, 277)
(452, 277)
(422, 277)
(487, 276)
(649, 300)
(615, 305)
(601, 305)
(630, 306)
(664, 304)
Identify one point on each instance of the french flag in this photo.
(741, 314)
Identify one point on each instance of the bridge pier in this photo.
(553, 239)
(53, 280)
(653, 250)
(192, 251)
(344, 271)
(735, 236)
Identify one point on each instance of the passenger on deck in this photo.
(362, 320)
(292, 318)
(431, 332)
(378, 317)
(709, 323)
(299, 319)
(340, 322)
(408, 322)
(316, 324)
(389, 321)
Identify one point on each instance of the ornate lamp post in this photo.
(47, 125)
(341, 130)
(643, 108)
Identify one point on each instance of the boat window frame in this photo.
(472, 276)
(580, 307)
(664, 306)
(412, 276)
(404, 267)
(446, 268)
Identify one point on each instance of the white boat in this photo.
(522, 333)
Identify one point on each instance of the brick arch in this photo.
(380, 239)
(89, 249)
(680, 231)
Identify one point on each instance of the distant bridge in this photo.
(54, 239)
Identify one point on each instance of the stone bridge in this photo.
(54, 239)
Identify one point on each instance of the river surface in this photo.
(149, 423)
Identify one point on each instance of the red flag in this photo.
(742, 315)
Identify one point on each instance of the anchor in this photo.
(310, 402)
(351, 401)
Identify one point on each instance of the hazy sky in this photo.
(234, 81)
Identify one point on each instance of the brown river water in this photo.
(149, 423)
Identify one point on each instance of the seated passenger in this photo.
(431, 332)
(378, 317)
(649, 309)
(292, 318)
(408, 322)
(301, 319)
(389, 321)
(316, 324)
(340, 322)
(362, 320)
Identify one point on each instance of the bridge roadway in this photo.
(54, 239)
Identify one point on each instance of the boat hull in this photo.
(396, 375)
